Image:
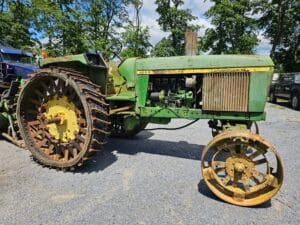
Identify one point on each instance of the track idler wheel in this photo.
(241, 168)
(62, 117)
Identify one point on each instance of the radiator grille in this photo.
(226, 91)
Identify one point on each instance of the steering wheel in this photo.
(116, 49)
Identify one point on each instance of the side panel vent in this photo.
(226, 91)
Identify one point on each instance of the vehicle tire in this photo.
(272, 97)
(62, 117)
(295, 101)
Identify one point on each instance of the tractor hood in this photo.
(21, 69)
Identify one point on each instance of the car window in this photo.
(17, 58)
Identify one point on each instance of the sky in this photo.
(198, 7)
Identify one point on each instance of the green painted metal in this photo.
(81, 59)
(91, 65)
(258, 91)
(128, 70)
(203, 61)
(123, 96)
(188, 113)
(125, 83)
(4, 122)
(141, 90)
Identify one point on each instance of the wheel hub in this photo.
(61, 118)
(239, 164)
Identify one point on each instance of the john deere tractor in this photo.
(67, 109)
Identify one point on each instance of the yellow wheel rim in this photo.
(62, 119)
(250, 171)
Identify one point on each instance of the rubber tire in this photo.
(295, 101)
(272, 97)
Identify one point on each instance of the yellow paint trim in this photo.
(195, 71)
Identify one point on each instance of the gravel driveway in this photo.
(152, 179)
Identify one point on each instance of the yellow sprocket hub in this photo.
(64, 121)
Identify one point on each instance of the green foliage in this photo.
(234, 28)
(136, 42)
(135, 37)
(175, 20)
(281, 22)
(104, 19)
(75, 26)
(61, 24)
(163, 48)
(15, 21)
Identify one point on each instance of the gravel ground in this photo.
(152, 179)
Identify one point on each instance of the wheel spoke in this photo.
(43, 143)
(245, 183)
(216, 164)
(219, 169)
(66, 154)
(226, 180)
(80, 138)
(75, 152)
(255, 154)
(34, 123)
(259, 174)
(260, 161)
(255, 180)
(236, 178)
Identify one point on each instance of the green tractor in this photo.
(67, 109)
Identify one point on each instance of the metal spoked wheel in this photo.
(241, 168)
(62, 117)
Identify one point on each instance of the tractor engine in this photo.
(175, 91)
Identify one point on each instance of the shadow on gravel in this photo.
(142, 143)
(138, 144)
(204, 190)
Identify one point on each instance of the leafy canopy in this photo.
(234, 31)
(173, 19)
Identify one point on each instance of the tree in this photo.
(281, 21)
(61, 24)
(175, 20)
(15, 23)
(136, 38)
(104, 19)
(163, 48)
(234, 28)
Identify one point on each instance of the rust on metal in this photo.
(121, 109)
(238, 167)
(191, 43)
(59, 147)
(226, 91)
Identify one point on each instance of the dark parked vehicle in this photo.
(14, 63)
(287, 87)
